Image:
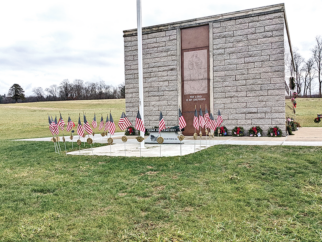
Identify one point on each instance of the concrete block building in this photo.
(239, 63)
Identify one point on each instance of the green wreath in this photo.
(317, 120)
(130, 131)
(271, 132)
(241, 131)
(221, 133)
(289, 130)
(252, 132)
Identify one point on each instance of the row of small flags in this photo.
(199, 121)
(206, 121)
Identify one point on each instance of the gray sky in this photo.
(44, 42)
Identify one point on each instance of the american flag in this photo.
(201, 119)
(212, 123)
(121, 123)
(94, 123)
(207, 119)
(127, 122)
(61, 122)
(56, 126)
(182, 122)
(195, 120)
(161, 123)
(51, 126)
(101, 123)
(87, 127)
(107, 124)
(80, 129)
(70, 124)
(219, 119)
(112, 125)
(139, 123)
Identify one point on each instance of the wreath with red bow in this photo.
(223, 131)
(238, 131)
(274, 132)
(130, 131)
(255, 131)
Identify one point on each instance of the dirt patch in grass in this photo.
(151, 172)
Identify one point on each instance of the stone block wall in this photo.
(249, 71)
(249, 68)
(159, 77)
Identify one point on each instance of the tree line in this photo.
(66, 90)
(308, 73)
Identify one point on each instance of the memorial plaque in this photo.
(195, 73)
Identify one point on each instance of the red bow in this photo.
(294, 105)
(255, 130)
(275, 131)
(238, 130)
(222, 130)
(130, 130)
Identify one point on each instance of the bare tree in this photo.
(53, 91)
(317, 56)
(309, 75)
(298, 65)
(64, 89)
(39, 92)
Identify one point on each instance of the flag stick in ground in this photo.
(161, 126)
(182, 125)
(195, 125)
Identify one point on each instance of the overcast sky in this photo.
(44, 42)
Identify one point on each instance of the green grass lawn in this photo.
(30, 120)
(224, 193)
(306, 111)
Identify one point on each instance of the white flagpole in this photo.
(140, 66)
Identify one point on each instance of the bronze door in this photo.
(195, 89)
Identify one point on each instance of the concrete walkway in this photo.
(303, 137)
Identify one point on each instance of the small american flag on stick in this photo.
(94, 123)
(87, 127)
(121, 122)
(70, 124)
(107, 124)
(207, 119)
(212, 123)
(56, 126)
(219, 119)
(127, 122)
(101, 123)
(201, 119)
(61, 122)
(139, 123)
(195, 120)
(182, 122)
(112, 125)
(51, 127)
(80, 129)
(161, 123)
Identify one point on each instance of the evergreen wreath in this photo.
(238, 131)
(223, 131)
(274, 132)
(289, 130)
(130, 131)
(255, 131)
(292, 83)
(317, 120)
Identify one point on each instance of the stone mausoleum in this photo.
(239, 63)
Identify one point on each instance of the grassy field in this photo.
(306, 111)
(224, 193)
(29, 120)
